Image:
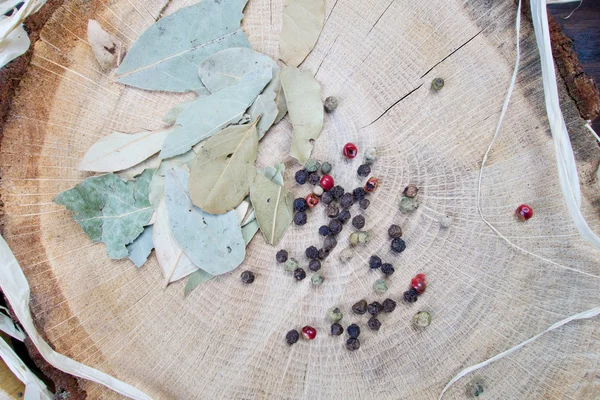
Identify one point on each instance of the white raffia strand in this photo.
(15, 287)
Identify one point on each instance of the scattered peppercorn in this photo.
(311, 252)
(398, 245)
(281, 256)
(314, 178)
(364, 204)
(317, 279)
(347, 254)
(389, 305)
(300, 204)
(332, 211)
(309, 333)
(352, 344)
(353, 330)
(380, 286)
(324, 230)
(311, 200)
(330, 104)
(300, 218)
(299, 274)
(335, 226)
(419, 283)
(437, 84)
(359, 194)
(446, 221)
(350, 150)
(358, 222)
(408, 205)
(370, 155)
(326, 182)
(318, 190)
(337, 191)
(410, 296)
(371, 184)
(325, 167)
(323, 253)
(475, 388)
(312, 165)
(374, 308)
(374, 262)
(327, 197)
(411, 190)
(353, 238)
(394, 231)
(364, 237)
(336, 329)
(524, 212)
(290, 265)
(344, 216)
(301, 176)
(314, 265)
(364, 170)
(247, 277)
(329, 243)
(387, 269)
(292, 337)
(360, 307)
(422, 319)
(335, 314)
(373, 324)
(346, 200)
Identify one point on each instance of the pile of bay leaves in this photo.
(194, 193)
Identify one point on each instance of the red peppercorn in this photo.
(312, 200)
(418, 283)
(524, 212)
(309, 333)
(350, 150)
(371, 184)
(327, 182)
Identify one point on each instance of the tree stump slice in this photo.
(226, 340)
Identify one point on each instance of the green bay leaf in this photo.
(140, 248)
(166, 56)
(300, 29)
(156, 192)
(272, 206)
(221, 175)
(195, 279)
(249, 230)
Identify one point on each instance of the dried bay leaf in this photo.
(208, 115)
(264, 107)
(166, 56)
(303, 97)
(275, 173)
(273, 207)
(242, 210)
(153, 162)
(174, 113)
(212, 242)
(281, 102)
(300, 29)
(249, 230)
(141, 247)
(224, 169)
(196, 279)
(156, 192)
(174, 263)
(119, 151)
(105, 46)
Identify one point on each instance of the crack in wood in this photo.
(445, 58)
(328, 52)
(384, 11)
(392, 106)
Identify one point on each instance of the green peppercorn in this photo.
(364, 237)
(290, 265)
(329, 243)
(353, 238)
(380, 286)
(408, 204)
(422, 319)
(352, 344)
(336, 329)
(335, 314)
(325, 168)
(292, 337)
(475, 388)
(314, 265)
(281, 256)
(247, 277)
(370, 155)
(332, 211)
(373, 324)
(317, 279)
(331, 104)
(312, 165)
(347, 254)
(437, 84)
(394, 231)
(360, 307)
(299, 274)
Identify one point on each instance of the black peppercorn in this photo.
(301, 176)
(360, 307)
(329, 243)
(336, 329)
(374, 262)
(314, 178)
(335, 226)
(373, 324)
(374, 308)
(389, 305)
(364, 170)
(358, 222)
(324, 230)
(353, 330)
(281, 256)
(395, 231)
(332, 211)
(247, 277)
(352, 344)
(387, 269)
(292, 337)
(398, 245)
(344, 216)
(323, 253)
(410, 296)
(300, 218)
(359, 194)
(299, 274)
(327, 197)
(364, 204)
(300, 204)
(337, 192)
(314, 265)
(347, 200)
(312, 252)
